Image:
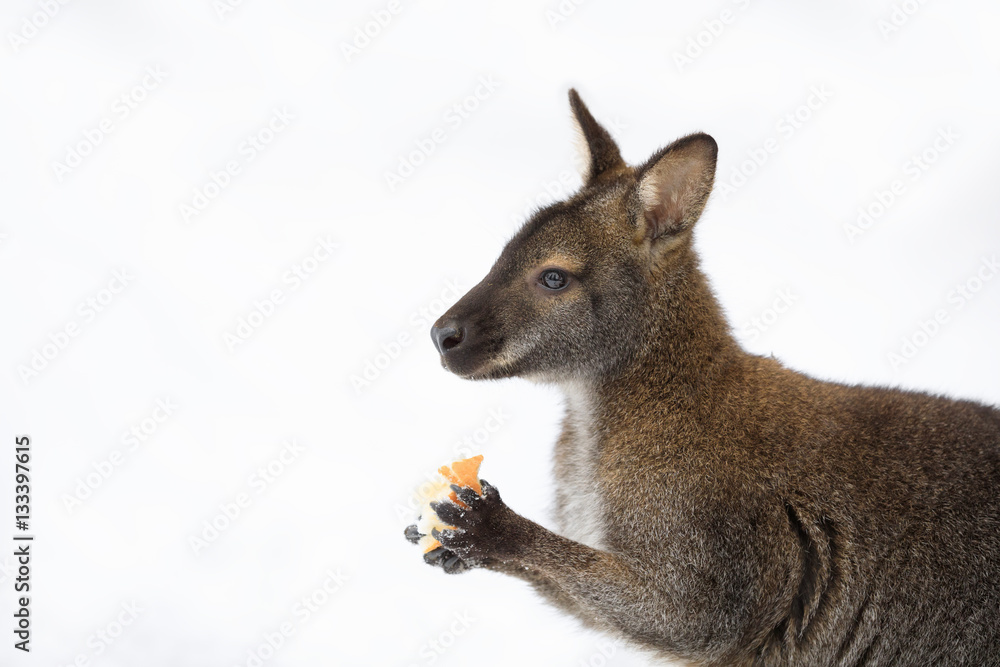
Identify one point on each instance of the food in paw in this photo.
(463, 473)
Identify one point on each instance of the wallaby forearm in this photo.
(630, 596)
(600, 584)
(609, 591)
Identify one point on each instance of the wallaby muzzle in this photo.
(469, 336)
(446, 338)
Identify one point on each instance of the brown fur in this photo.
(735, 512)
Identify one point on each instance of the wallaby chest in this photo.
(580, 504)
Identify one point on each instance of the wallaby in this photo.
(714, 506)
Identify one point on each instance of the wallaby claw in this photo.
(432, 557)
(447, 560)
(448, 512)
(466, 495)
(454, 565)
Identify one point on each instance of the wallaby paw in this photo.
(412, 534)
(483, 530)
(446, 560)
(439, 557)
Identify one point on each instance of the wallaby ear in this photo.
(674, 185)
(599, 151)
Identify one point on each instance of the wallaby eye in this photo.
(553, 279)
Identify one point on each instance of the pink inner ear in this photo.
(666, 196)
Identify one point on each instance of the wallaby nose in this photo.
(447, 338)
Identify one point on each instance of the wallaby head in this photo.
(587, 283)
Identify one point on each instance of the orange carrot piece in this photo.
(467, 470)
(464, 473)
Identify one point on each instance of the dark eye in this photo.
(553, 279)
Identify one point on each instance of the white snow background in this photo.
(326, 524)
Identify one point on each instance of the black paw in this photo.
(446, 560)
(484, 529)
(440, 557)
(412, 534)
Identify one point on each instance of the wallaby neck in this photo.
(688, 346)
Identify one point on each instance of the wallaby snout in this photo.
(446, 338)
(469, 335)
